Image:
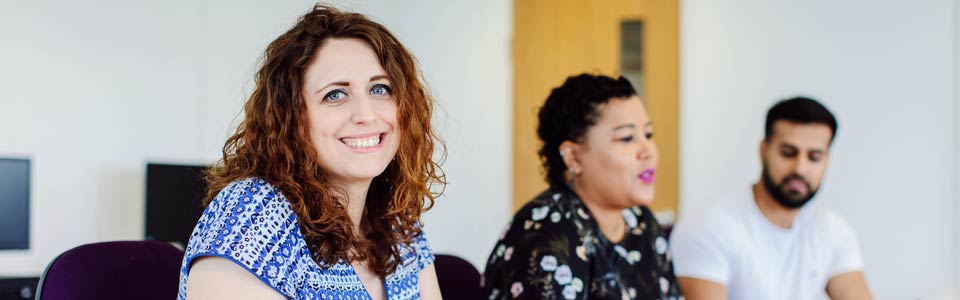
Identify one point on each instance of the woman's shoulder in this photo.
(251, 194)
(246, 211)
(415, 256)
(554, 212)
(250, 207)
(251, 224)
(250, 186)
(544, 238)
(556, 199)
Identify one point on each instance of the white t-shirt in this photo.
(730, 242)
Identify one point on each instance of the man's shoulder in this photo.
(826, 221)
(825, 214)
(726, 211)
(722, 223)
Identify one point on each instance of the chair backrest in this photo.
(458, 279)
(113, 270)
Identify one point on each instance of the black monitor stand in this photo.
(18, 288)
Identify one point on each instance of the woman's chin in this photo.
(642, 199)
(363, 173)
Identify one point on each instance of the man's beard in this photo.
(789, 199)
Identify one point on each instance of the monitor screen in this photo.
(174, 195)
(14, 204)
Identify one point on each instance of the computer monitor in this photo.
(174, 195)
(14, 204)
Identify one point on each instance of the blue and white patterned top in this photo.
(251, 223)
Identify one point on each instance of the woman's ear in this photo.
(570, 152)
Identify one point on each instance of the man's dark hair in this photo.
(800, 110)
(569, 111)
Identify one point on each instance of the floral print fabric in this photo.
(553, 249)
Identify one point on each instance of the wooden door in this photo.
(554, 39)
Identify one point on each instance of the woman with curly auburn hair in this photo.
(320, 189)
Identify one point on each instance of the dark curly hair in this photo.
(273, 143)
(569, 110)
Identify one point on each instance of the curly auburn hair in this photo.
(567, 114)
(273, 142)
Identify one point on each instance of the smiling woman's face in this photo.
(351, 112)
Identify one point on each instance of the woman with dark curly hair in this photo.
(320, 189)
(590, 235)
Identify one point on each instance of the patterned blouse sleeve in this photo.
(424, 253)
(249, 224)
(537, 258)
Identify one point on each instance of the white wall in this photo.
(93, 90)
(885, 68)
(956, 143)
(90, 92)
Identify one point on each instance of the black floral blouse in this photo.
(553, 249)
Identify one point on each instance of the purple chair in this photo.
(113, 270)
(458, 279)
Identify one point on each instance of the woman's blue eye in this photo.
(380, 89)
(335, 96)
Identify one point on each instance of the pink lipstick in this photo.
(648, 176)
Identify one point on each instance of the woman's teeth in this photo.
(362, 143)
